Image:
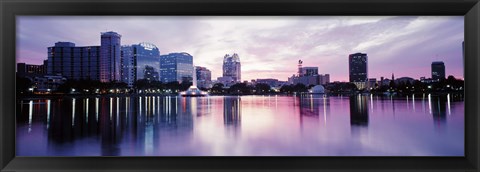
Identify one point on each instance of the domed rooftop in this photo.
(317, 89)
(148, 46)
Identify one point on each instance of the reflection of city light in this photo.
(413, 102)
(48, 113)
(30, 114)
(111, 107)
(118, 111)
(73, 111)
(429, 103)
(448, 102)
(96, 108)
(86, 111)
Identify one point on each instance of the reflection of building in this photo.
(438, 71)
(176, 67)
(232, 67)
(308, 76)
(110, 55)
(204, 77)
(232, 111)
(309, 104)
(358, 110)
(136, 58)
(74, 62)
(358, 69)
(438, 109)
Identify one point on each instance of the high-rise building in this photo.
(74, 62)
(204, 77)
(176, 67)
(150, 74)
(135, 59)
(358, 69)
(323, 79)
(438, 70)
(129, 63)
(232, 67)
(308, 71)
(24, 69)
(110, 57)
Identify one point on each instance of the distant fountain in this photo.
(193, 91)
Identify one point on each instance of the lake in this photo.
(301, 125)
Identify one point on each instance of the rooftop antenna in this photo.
(300, 68)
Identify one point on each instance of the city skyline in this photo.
(390, 42)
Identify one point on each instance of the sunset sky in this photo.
(268, 46)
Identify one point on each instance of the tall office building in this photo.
(129, 63)
(110, 57)
(204, 77)
(232, 67)
(74, 62)
(308, 71)
(135, 59)
(176, 67)
(358, 69)
(24, 69)
(150, 74)
(438, 70)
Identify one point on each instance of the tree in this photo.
(286, 89)
(23, 84)
(262, 88)
(217, 88)
(300, 88)
(239, 88)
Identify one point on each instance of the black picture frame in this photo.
(11, 8)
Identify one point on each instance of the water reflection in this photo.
(439, 110)
(171, 125)
(232, 111)
(358, 111)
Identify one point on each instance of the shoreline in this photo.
(39, 96)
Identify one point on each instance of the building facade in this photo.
(438, 70)
(136, 58)
(150, 74)
(176, 67)
(110, 57)
(204, 77)
(24, 70)
(232, 67)
(308, 71)
(73, 62)
(358, 69)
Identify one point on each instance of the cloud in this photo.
(269, 46)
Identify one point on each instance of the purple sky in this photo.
(269, 47)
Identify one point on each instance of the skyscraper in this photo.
(204, 77)
(150, 74)
(110, 56)
(74, 62)
(176, 67)
(232, 67)
(135, 59)
(438, 70)
(358, 69)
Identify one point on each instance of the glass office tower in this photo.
(176, 67)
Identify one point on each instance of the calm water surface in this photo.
(309, 125)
